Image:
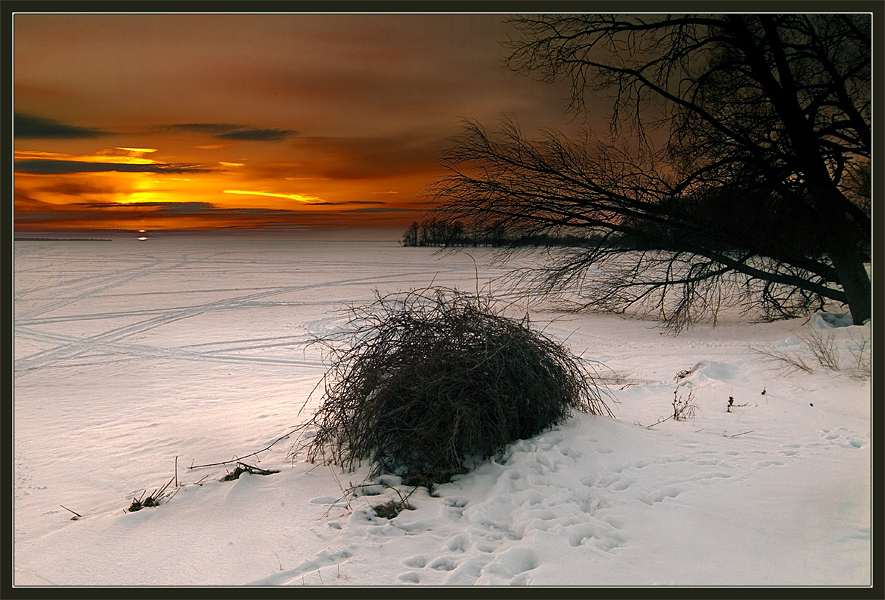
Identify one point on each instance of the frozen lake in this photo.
(131, 355)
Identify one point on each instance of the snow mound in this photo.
(827, 320)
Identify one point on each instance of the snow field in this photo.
(129, 355)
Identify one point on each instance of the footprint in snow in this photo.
(455, 502)
(455, 506)
(670, 491)
(443, 563)
(409, 577)
(790, 449)
(459, 543)
(510, 567)
(844, 438)
(418, 561)
(468, 571)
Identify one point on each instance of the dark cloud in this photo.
(25, 203)
(30, 126)
(205, 208)
(258, 135)
(345, 203)
(168, 207)
(204, 128)
(379, 210)
(33, 215)
(57, 167)
(70, 188)
(229, 131)
(182, 209)
(370, 157)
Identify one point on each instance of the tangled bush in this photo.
(425, 383)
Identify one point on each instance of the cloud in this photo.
(204, 128)
(258, 135)
(379, 210)
(58, 167)
(346, 203)
(71, 188)
(370, 157)
(169, 207)
(230, 131)
(25, 203)
(31, 126)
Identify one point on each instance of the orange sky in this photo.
(280, 123)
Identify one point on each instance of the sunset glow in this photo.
(298, 197)
(274, 123)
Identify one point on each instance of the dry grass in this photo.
(424, 383)
(822, 348)
(787, 362)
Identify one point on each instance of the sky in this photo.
(278, 123)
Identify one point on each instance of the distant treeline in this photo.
(436, 232)
(37, 239)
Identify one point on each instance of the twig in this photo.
(659, 422)
(239, 459)
(476, 270)
(78, 515)
(163, 489)
(345, 493)
(256, 470)
(404, 500)
(744, 433)
(244, 468)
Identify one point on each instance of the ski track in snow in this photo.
(30, 314)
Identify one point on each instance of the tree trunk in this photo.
(852, 275)
(829, 203)
(844, 252)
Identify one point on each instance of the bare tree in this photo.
(757, 196)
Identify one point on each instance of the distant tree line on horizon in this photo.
(450, 234)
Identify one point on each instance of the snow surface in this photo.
(130, 356)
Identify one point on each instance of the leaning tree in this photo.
(760, 191)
